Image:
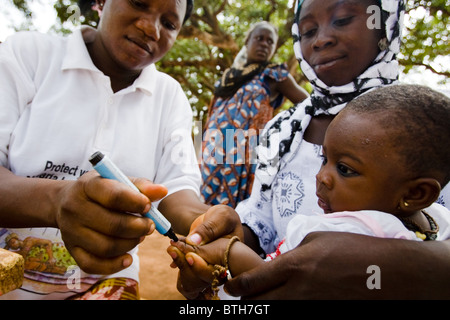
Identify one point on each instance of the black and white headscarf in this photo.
(283, 135)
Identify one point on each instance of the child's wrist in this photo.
(222, 273)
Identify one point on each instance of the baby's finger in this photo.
(200, 267)
(183, 246)
(177, 257)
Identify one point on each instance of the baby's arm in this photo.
(241, 258)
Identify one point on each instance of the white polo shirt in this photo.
(57, 109)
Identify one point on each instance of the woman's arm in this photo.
(290, 89)
(26, 202)
(79, 209)
(329, 265)
(181, 209)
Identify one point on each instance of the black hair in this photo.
(189, 9)
(86, 7)
(417, 119)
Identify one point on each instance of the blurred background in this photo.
(207, 46)
(212, 37)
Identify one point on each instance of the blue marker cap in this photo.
(107, 169)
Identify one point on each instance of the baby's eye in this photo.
(346, 171)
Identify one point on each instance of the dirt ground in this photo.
(157, 279)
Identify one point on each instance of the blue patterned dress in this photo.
(231, 136)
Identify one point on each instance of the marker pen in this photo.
(107, 169)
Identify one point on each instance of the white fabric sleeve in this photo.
(367, 222)
(256, 213)
(17, 88)
(178, 168)
(444, 197)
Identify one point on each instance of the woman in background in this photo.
(245, 99)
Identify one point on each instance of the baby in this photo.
(385, 161)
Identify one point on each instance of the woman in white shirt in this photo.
(62, 100)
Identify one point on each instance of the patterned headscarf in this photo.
(283, 134)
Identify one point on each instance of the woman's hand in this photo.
(334, 265)
(219, 221)
(96, 224)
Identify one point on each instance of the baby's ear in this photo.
(421, 194)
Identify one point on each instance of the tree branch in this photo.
(223, 41)
(405, 62)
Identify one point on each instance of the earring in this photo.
(405, 204)
(383, 44)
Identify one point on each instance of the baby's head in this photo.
(417, 119)
(388, 151)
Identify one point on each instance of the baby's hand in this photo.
(182, 245)
(196, 264)
(195, 274)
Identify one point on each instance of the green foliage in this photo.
(214, 35)
(427, 35)
(22, 5)
(69, 14)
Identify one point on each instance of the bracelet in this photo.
(221, 273)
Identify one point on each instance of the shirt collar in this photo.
(77, 57)
(147, 80)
